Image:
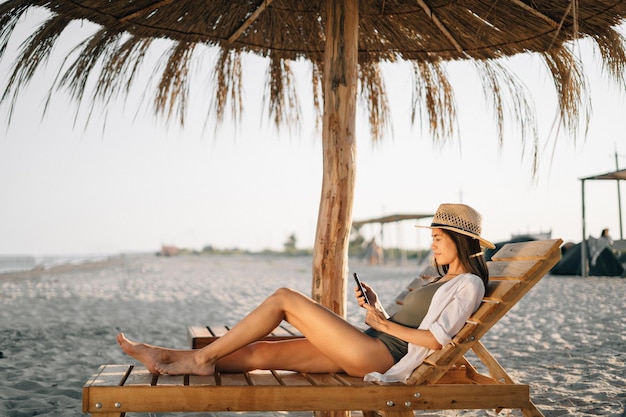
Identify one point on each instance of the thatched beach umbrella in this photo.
(345, 42)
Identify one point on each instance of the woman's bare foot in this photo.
(148, 355)
(191, 363)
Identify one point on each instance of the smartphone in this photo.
(356, 278)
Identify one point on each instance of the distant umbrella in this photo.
(345, 42)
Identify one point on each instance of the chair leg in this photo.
(532, 411)
(495, 369)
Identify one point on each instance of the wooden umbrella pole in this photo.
(330, 257)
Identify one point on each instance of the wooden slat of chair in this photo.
(202, 380)
(294, 379)
(107, 376)
(265, 378)
(200, 336)
(139, 376)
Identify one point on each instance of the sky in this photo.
(129, 182)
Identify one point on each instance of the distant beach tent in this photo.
(606, 265)
(618, 175)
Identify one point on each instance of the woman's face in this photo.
(443, 247)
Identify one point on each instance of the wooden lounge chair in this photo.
(446, 379)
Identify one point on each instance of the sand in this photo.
(566, 338)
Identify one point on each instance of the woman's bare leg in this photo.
(294, 355)
(150, 355)
(341, 343)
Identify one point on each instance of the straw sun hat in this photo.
(461, 219)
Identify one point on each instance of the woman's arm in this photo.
(378, 321)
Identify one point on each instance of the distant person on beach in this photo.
(605, 237)
(373, 252)
(388, 350)
(603, 242)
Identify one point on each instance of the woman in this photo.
(389, 350)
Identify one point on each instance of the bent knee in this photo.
(282, 292)
(286, 295)
(286, 292)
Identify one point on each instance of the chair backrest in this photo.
(513, 271)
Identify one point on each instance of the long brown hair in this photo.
(465, 247)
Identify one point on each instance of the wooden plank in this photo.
(139, 376)
(393, 397)
(324, 380)
(498, 290)
(518, 269)
(199, 338)
(454, 375)
(236, 379)
(484, 311)
(536, 249)
(94, 377)
(289, 378)
(202, 380)
(106, 375)
(218, 331)
(265, 378)
(199, 331)
(196, 333)
(170, 380)
(352, 381)
(288, 327)
(280, 331)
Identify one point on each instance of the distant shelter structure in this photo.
(392, 218)
(617, 176)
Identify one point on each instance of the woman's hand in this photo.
(371, 295)
(375, 318)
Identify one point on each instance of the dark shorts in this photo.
(397, 347)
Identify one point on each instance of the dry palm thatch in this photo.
(425, 33)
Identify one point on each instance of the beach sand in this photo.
(566, 338)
